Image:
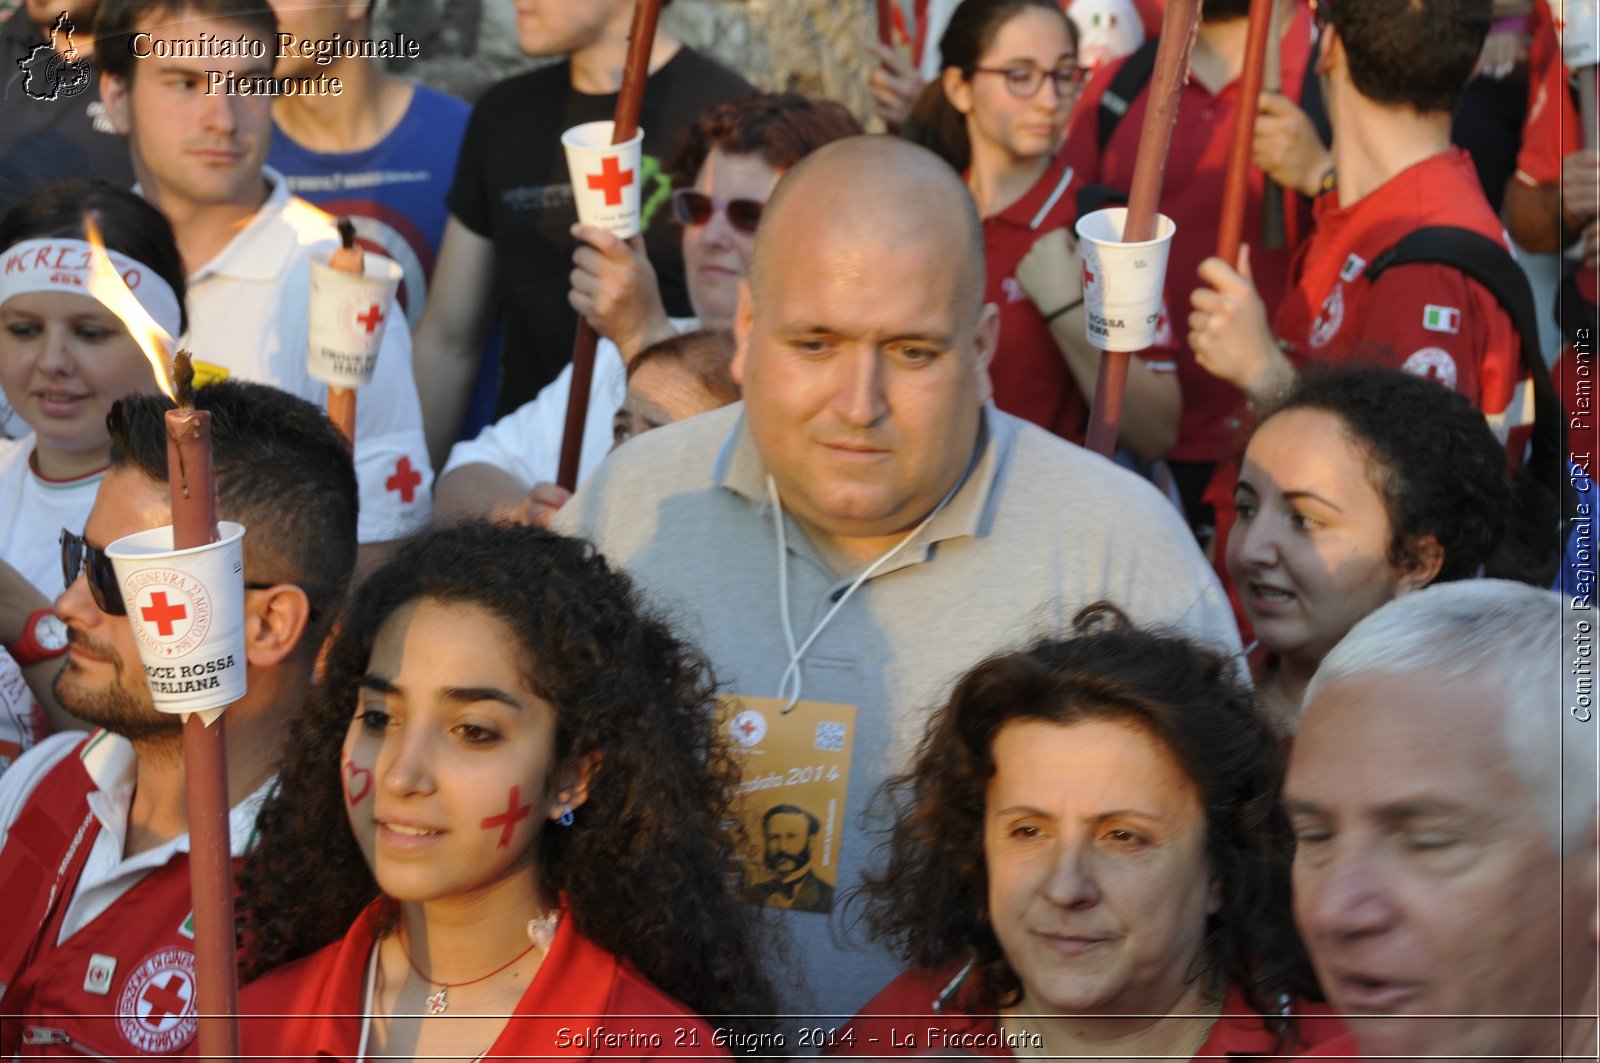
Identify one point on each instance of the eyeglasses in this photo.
(79, 556)
(1024, 81)
(695, 208)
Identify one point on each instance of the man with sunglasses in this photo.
(94, 876)
(722, 173)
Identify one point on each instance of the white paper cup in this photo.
(1122, 283)
(348, 314)
(187, 612)
(605, 176)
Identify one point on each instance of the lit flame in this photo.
(107, 285)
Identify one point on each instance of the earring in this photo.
(565, 819)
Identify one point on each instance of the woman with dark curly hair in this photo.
(1088, 859)
(1359, 486)
(508, 798)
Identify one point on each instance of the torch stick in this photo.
(625, 123)
(886, 23)
(1236, 183)
(1178, 27)
(1273, 235)
(342, 401)
(194, 523)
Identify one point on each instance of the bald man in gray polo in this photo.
(867, 485)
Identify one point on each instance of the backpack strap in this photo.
(1130, 80)
(1488, 262)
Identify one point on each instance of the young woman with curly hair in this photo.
(1088, 859)
(506, 807)
(1361, 485)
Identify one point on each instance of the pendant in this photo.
(436, 1001)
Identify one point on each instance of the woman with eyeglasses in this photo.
(64, 359)
(1088, 860)
(503, 829)
(722, 174)
(1011, 77)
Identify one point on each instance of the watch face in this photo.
(50, 633)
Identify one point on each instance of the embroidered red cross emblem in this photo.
(404, 480)
(611, 179)
(164, 1000)
(371, 318)
(508, 819)
(162, 614)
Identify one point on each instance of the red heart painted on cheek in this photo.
(353, 774)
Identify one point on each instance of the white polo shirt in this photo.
(248, 313)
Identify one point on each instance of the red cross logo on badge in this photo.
(156, 1012)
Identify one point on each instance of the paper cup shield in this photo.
(1577, 25)
(187, 612)
(348, 314)
(605, 176)
(1122, 283)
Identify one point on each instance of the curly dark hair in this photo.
(1432, 458)
(930, 903)
(649, 867)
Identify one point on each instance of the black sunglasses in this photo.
(79, 556)
(695, 208)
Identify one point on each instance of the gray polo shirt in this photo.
(1038, 529)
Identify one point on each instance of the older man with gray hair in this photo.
(1443, 798)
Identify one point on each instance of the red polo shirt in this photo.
(563, 1014)
(900, 1021)
(1029, 372)
(1425, 318)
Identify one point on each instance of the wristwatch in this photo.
(43, 636)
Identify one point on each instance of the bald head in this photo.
(875, 188)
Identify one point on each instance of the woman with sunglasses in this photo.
(503, 826)
(1011, 77)
(722, 173)
(64, 359)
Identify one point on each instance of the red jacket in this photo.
(122, 986)
(564, 1012)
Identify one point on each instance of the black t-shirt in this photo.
(512, 186)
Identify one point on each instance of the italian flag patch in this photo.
(1441, 319)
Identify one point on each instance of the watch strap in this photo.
(27, 650)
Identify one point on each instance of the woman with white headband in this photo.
(64, 359)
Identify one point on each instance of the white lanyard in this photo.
(796, 655)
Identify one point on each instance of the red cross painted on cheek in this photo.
(357, 782)
(508, 819)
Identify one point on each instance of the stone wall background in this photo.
(813, 46)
